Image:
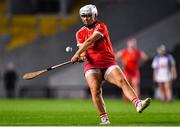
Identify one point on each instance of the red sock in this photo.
(135, 101)
(103, 115)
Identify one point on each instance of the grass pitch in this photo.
(54, 112)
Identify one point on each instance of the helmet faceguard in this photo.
(90, 12)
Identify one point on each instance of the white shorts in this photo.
(104, 71)
(163, 78)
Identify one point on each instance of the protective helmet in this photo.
(88, 9)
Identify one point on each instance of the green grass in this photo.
(82, 112)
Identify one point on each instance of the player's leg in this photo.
(115, 76)
(168, 91)
(135, 84)
(157, 94)
(162, 91)
(128, 76)
(94, 82)
(94, 79)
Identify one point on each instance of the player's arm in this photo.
(155, 69)
(154, 74)
(118, 55)
(143, 57)
(173, 68)
(92, 39)
(82, 57)
(174, 72)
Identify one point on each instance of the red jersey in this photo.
(100, 54)
(130, 59)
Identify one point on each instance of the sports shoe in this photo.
(104, 121)
(143, 104)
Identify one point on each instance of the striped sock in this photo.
(104, 117)
(136, 101)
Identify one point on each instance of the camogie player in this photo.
(132, 57)
(96, 50)
(164, 72)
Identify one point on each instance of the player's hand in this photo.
(174, 76)
(75, 58)
(154, 78)
(82, 58)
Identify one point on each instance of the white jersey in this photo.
(163, 66)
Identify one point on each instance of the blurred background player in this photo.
(132, 57)
(164, 71)
(10, 78)
(96, 49)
